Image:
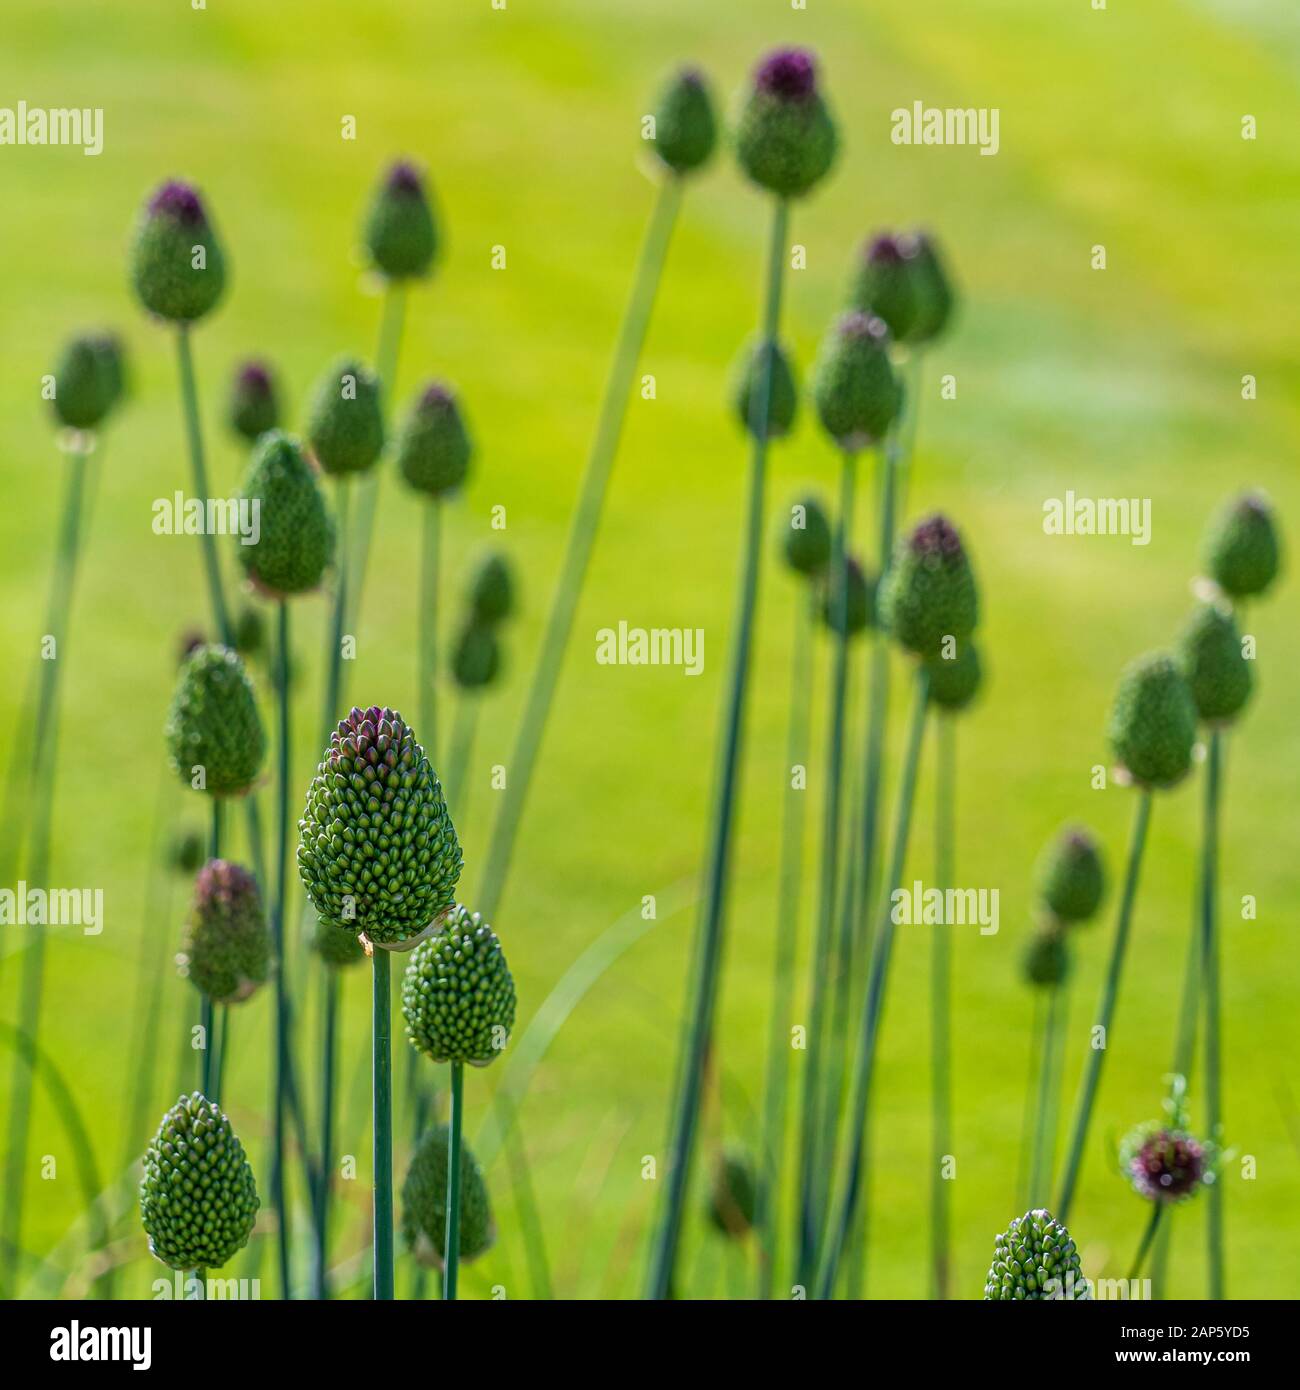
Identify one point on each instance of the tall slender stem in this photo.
(1028, 1113)
(1153, 1225)
(338, 616)
(578, 548)
(455, 784)
(1040, 1173)
(427, 660)
(840, 1221)
(328, 1064)
(940, 1008)
(708, 959)
(382, 1111)
(1106, 1010)
(1210, 964)
(277, 944)
(451, 1249)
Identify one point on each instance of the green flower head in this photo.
(227, 947)
(1211, 659)
(955, 680)
(89, 380)
(1070, 876)
(295, 533)
(475, 656)
(929, 591)
(783, 395)
(336, 946)
(806, 537)
(214, 734)
(901, 279)
(1035, 1258)
(856, 610)
(1243, 551)
(345, 424)
(178, 270)
(1153, 721)
(1047, 957)
(433, 446)
(685, 128)
(491, 590)
(853, 385)
(785, 137)
(400, 233)
(424, 1201)
(254, 406)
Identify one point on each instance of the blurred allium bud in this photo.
(198, 1198)
(934, 294)
(1243, 550)
(88, 380)
(1070, 876)
(806, 537)
(853, 385)
(295, 540)
(458, 996)
(1035, 1258)
(1047, 957)
(433, 447)
(1164, 1164)
(401, 235)
(377, 852)
(178, 270)
(929, 591)
(785, 137)
(1152, 725)
(188, 850)
(492, 590)
(227, 947)
(250, 632)
(1212, 663)
(860, 595)
(254, 406)
(733, 1194)
(955, 681)
(685, 128)
(783, 396)
(902, 280)
(475, 656)
(213, 724)
(424, 1202)
(336, 946)
(345, 424)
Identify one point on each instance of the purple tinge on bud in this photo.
(936, 535)
(253, 376)
(1169, 1165)
(435, 396)
(885, 249)
(220, 882)
(404, 177)
(856, 325)
(179, 200)
(788, 73)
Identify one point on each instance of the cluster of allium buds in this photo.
(227, 948)
(1211, 659)
(806, 538)
(215, 738)
(1243, 551)
(433, 446)
(254, 406)
(757, 360)
(89, 380)
(901, 279)
(1035, 1259)
(1165, 1163)
(929, 591)
(854, 387)
(1152, 725)
(685, 130)
(424, 1202)
(295, 537)
(345, 423)
(178, 270)
(400, 233)
(785, 137)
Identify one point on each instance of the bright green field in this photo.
(1119, 128)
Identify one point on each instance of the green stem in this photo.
(278, 1198)
(338, 619)
(1210, 962)
(1025, 1161)
(427, 659)
(329, 1065)
(382, 1108)
(1106, 1010)
(578, 548)
(456, 787)
(1040, 1174)
(697, 1039)
(1157, 1211)
(940, 1012)
(841, 1221)
(452, 1246)
(787, 935)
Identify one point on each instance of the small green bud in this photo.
(1243, 550)
(929, 591)
(685, 128)
(88, 380)
(785, 137)
(345, 424)
(178, 270)
(954, 681)
(188, 851)
(934, 294)
(424, 1201)
(858, 605)
(854, 387)
(433, 447)
(336, 946)
(1070, 876)
(1212, 663)
(250, 632)
(1153, 721)
(783, 395)
(492, 590)
(400, 233)
(733, 1194)
(1047, 957)
(295, 540)
(227, 948)
(475, 656)
(213, 724)
(902, 280)
(806, 537)
(254, 405)
(1035, 1259)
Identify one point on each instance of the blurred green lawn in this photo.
(1119, 127)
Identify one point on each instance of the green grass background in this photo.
(1119, 127)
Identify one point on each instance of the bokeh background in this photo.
(1120, 127)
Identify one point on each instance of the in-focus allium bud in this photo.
(853, 385)
(934, 295)
(250, 632)
(955, 681)
(475, 656)
(345, 424)
(1243, 551)
(433, 447)
(1070, 876)
(377, 852)
(424, 1202)
(458, 996)
(783, 395)
(685, 128)
(1164, 1164)
(295, 533)
(198, 1198)
(733, 1194)
(188, 851)
(492, 590)
(336, 946)
(929, 591)
(213, 724)
(806, 537)
(254, 403)
(1034, 1258)
(89, 379)
(227, 947)
(785, 137)
(1152, 725)
(860, 599)
(177, 266)
(1047, 957)
(1212, 663)
(401, 235)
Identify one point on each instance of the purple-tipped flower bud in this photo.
(1153, 721)
(295, 535)
(214, 734)
(783, 395)
(854, 387)
(685, 128)
(785, 137)
(955, 680)
(929, 591)
(227, 948)
(806, 537)
(1164, 1164)
(89, 379)
(1243, 551)
(345, 425)
(855, 610)
(1070, 876)
(1217, 672)
(401, 235)
(902, 280)
(254, 405)
(178, 269)
(433, 446)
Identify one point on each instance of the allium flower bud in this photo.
(295, 537)
(254, 405)
(785, 137)
(377, 852)
(492, 590)
(783, 395)
(177, 266)
(227, 948)
(250, 632)
(860, 600)
(1034, 1258)
(1070, 876)
(954, 681)
(1243, 550)
(337, 946)
(934, 296)
(1047, 957)
(213, 724)
(458, 996)
(901, 280)
(475, 656)
(188, 851)
(1153, 721)
(433, 447)
(806, 537)
(1212, 663)
(401, 235)
(929, 591)
(198, 1198)
(345, 425)
(88, 380)
(685, 128)
(733, 1194)
(424, 1202)
(1164, 1164)
(853, 385)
